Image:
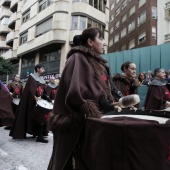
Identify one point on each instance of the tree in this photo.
(6, 66)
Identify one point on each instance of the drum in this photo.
(16, 101)
(42, 111)
(160, 120)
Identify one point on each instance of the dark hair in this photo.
(157, 70)
(87, 33)
(38, 66)
(140, 75)
(126, 65)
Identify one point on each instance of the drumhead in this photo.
(16, 101)
(45, 104)
(160, 120)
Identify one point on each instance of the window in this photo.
(51, 60)
(154, 33)
(117, 11)
(5, 21)
(25, 1)
(124, 18)
(74, 25)
(123, 47)
(85, 1)
(112, 6)
(141, 3)
(132, 11)
(116, 38)
(83, 23)
(131, 43)
(117, 1)
(141, 38)
(44, 4)
(142, 18)
(124, 4)
(123, 33)
(154, 12)
(23, 38)
(131, 26)
(110, 42)
(76, 0)
(117, 25)
(111, 30)
(44, 27)
(112, 18)
(98, 4)
(26, 17)
(28, 62)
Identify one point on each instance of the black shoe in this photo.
(42, 140)
(7, 128)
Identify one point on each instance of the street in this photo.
(23, 154)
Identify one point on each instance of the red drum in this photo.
(41, 111)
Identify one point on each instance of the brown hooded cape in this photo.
(24, 122)
(125, 85)
(80, 89)
(6, 113)
(157, 95)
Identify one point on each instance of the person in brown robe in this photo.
(52, 88)
(16, 90)
(127, 82)
(25, 117)
(84, 91)
(6, 113)
(158, 95)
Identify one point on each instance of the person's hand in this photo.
(133, 108)
(118, 108)
(37, 98)
(167, 104)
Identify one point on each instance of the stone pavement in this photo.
(23, 154)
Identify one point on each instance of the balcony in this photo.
(4, 29)
(5, 2)
(3, 45)
(167, 5)
(4, 13)
(10, 38)
(167, 38)
(87, 10)
(14, 5)
(10, 54)
(12, 21)
(50, 37)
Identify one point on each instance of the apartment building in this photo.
(133, 24)
(42, 31)
(163, 18)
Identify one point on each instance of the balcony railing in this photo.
(4, 29)
(4, 13)
(5, 2)
(12, 20)
(13, 6)
(167, 37)
(167, 5)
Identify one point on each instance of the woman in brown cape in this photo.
(84, 91)
(127, 83)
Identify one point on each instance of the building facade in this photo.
(133, 24)
(42, 31)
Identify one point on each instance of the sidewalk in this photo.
(23, 154)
